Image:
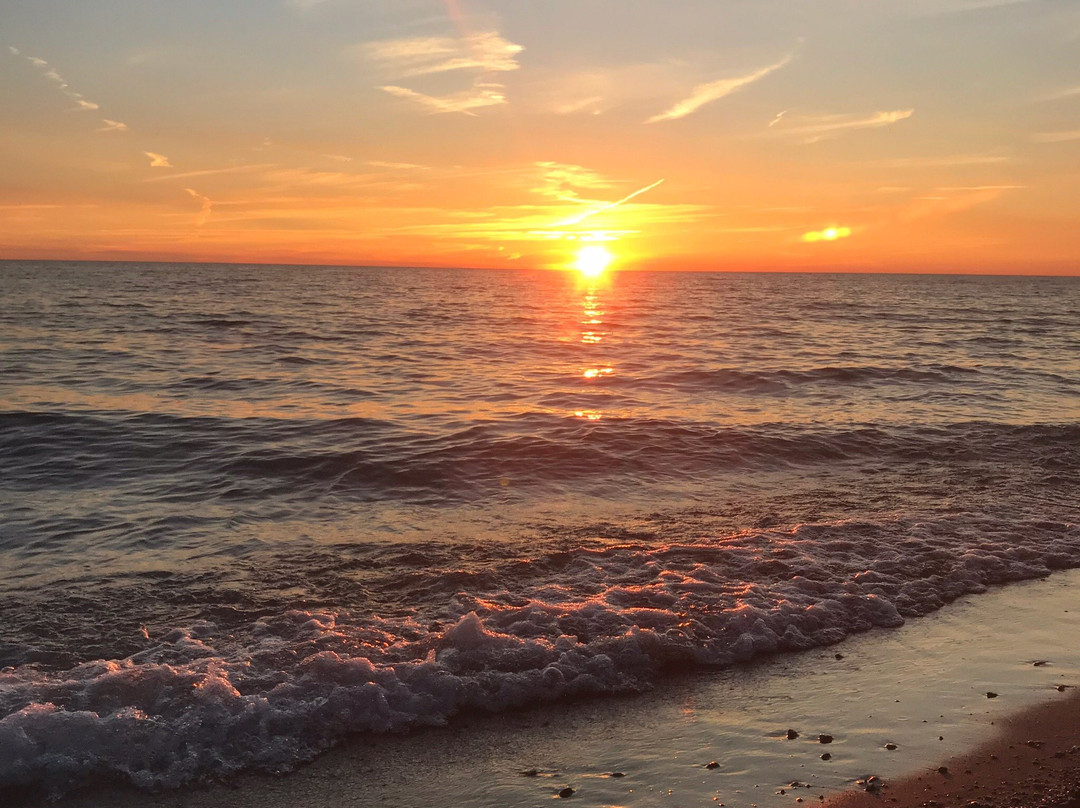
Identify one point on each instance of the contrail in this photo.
(602, 208)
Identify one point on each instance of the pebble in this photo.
(890, 746)
(792, 735)
(712, 764)
(621, 774)
(823, 738)
(943, 769)
(530, 773)
(990, 694)
(566, 793)
(826, 756)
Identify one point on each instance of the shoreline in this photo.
(1034, 760)
(920, 688)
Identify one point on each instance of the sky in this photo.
(805, 135)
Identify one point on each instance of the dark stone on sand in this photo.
(792, 735)
(530, 773)
(826, 756)
(943, 769)
(839, 656)
(1034, 744)
(1061, 688)
(823, 738)
(712, 764)
(566, 793)
(890, 746)
(990, 694)
(1038, 663)
(616, 774)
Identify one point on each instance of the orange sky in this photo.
(923, 135)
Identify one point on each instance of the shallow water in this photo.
(247, 510)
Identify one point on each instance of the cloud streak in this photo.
(206, 206)
(819, 127)
(158, 160)
(714, 90)
(487, 51)
(479, 96)
(1056, 137)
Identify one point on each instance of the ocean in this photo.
(246, 511)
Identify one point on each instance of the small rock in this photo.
(530, 773)
(890, 746)
(839, 656)
(943, 769)
(873, 783)
(826, 756)
(712, 764)
(1034, 744)
(990, 694)
(792, 735)
(566, 793)
(620, 774)
(1038, 663)
(1061, 688)
(823, 738)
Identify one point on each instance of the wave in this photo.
(214, 696)
(372, 458)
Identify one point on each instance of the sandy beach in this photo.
(895, 704)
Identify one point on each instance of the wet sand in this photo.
(1035, 760)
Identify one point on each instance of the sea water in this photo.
(247, 510)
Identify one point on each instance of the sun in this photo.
(593, 260)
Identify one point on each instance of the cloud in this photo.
(14, 51)
(479, 96)
(1056, 137)
(944, 162)
(707, 93)
(158, 160)
(828, 234)
(487, 51)
(206, 203)
(113, 126)
(560, 181)
(398, 166)
(206, 172)
(62, 85)
(819, 127)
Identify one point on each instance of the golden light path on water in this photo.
(592, 334)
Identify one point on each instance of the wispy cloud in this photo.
(484, 53)
(113, 126)
(1056, 137)
(487, 51)
(562, 181)
(206, 172)
(206, 206)
(50, 74)
(480, 95)
(396, 166)
(818, 127)
(944, 162)
(707, 93)
(158, 160)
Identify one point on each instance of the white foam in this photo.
(202, 702)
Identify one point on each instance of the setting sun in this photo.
(593, 260)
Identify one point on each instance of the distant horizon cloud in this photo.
(113, 126)
(158, 160)
(704, 94)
